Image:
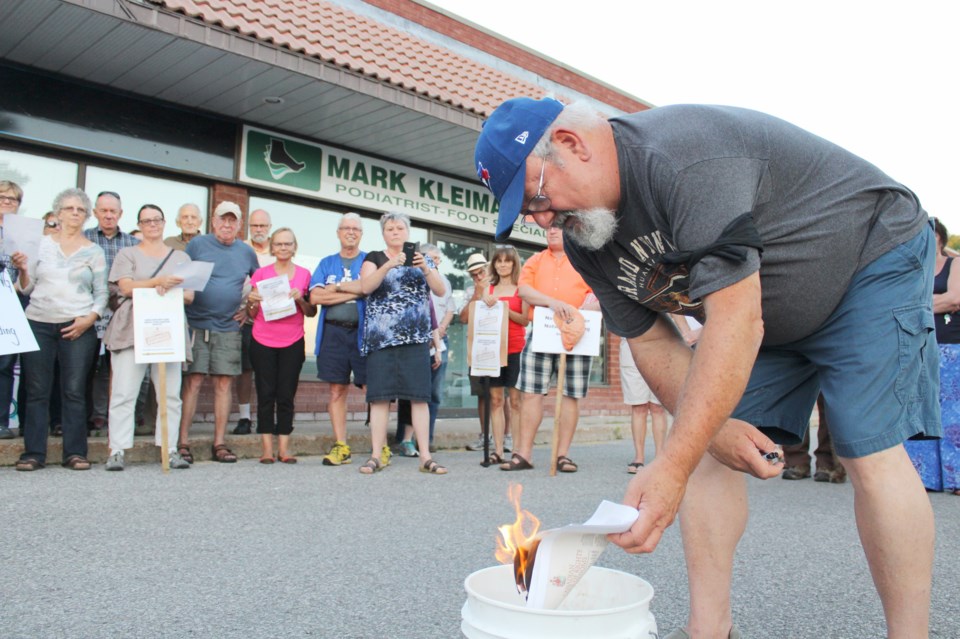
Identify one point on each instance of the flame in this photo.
(514, 545)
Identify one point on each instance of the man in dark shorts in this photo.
(338, 331)
(669, 211)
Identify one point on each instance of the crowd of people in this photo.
(383, 324)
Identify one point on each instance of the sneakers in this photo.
(796, 472)
(478, 443)
(177, 460)
(243, 427)
(385, 456)
(339, 454)
(115, 461)
(407, 449)
(6, 433)
(508, 444)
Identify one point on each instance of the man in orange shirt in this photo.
(548, 279)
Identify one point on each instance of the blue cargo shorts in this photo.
(875, 360)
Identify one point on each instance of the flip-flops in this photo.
(517, 462)
(633, 467)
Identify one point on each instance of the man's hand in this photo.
(740, 446)
(656, 491)
(562, 310)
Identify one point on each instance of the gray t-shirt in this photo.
(214, 307)
(347, 311)
(687, 171)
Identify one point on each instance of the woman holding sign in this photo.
(68, 293)
(146, 265)
(278, 303)
(505, 265)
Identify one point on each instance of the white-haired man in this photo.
(339, 331)
(669, 211)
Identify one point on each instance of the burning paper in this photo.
(547, 565)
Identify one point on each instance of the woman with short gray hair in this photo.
(67, 286)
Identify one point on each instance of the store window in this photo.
(316, 231)
(136, 189)
(41, 179)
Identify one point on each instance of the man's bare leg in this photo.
(895, 521)
(189, 395)
(221, 406)
(337, 408)
(638, 428)
(658, 426)
(713, 516)
(569, 416)
(531, 414)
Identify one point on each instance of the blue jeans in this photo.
(437, 378)
(7, 363)
(75, 358)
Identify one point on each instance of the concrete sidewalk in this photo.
(315, 438)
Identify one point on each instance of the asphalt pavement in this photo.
(306, 550)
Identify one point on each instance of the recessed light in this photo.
(272, 99)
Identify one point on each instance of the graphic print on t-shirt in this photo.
(663, 288)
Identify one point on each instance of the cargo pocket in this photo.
(914, 326)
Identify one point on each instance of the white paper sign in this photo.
(158, 333)
(15, 333)
(276, 301)
(22, 234)
(485, 352)
(565, 554)
(546, 334)
(195, 275)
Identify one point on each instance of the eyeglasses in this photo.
(6, 199)
(73, 209)
(478, 273)
(539, 202)
(259, 226)
(283, 245)
(151, 220)
(350, 229)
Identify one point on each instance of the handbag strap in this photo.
(152, 275)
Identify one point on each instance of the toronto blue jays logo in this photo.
(484, 175)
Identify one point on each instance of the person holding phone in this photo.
(396, 338)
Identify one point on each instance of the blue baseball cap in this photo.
(507, 138)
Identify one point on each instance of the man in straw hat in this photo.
(669, 211)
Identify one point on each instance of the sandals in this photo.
(76, 462)
(289, 459)
(28, 465)
(371, 466)
(185, 453)
(432, 467)
(517, 462)
(495, 459)
(632, 467)
(565, 465)
(223, 454)
(266, 460)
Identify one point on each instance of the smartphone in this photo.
(409, 248)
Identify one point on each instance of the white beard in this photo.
(592, 228)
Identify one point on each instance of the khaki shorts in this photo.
(215, 353)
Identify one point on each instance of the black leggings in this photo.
(276, 374)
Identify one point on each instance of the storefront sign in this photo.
(280, 162)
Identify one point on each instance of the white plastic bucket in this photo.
(606, 604)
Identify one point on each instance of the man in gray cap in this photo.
(669, 211)
(215, 318)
